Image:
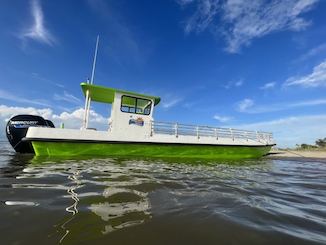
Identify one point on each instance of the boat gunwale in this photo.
(85, 141)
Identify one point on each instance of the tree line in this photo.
(319, 143)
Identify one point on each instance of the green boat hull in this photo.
(161, 150)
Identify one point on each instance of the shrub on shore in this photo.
(320, 144)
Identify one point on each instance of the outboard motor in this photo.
(17, 127)
(49, 124)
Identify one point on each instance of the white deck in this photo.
(159, 132)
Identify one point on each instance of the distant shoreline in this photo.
(298, 154)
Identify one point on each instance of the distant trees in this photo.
(321, 142)
(306, 147)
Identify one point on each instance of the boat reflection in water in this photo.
(127, 208)
(143, 201)
(110, 192)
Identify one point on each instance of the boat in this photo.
(133, 132)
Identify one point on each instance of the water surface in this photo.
(146, 201)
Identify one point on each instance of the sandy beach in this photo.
(297, 154)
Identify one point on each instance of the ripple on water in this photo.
(87, 199)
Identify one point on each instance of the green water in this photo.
(146, 201)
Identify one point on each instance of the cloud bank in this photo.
(241, 21)
(70, 119)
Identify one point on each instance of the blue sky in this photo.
(214, 62)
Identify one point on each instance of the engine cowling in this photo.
(17, 127)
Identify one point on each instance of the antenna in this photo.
(94, 61)
(88, 99)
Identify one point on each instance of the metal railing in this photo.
(177, 129)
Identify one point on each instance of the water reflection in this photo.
(72, 208)
(123, 208)
(99, 198)
(118, 205)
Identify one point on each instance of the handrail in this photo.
(177, 129)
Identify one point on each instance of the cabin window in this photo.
(135, 105)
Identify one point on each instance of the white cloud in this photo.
(79, 115)
(308, 103)
(231, 84)
(239, 83)
(71, 120)
(292, 130)
(169, 103)
(37, 31)
(184, 2)
(206, 11)
(268, 86)
(8, 111)
(245, 104)
(320, 49)
(317, 78)
(67, 97)
(222, 119)
(242, 21)
(248, 107)
(37, 76)
(16, 98)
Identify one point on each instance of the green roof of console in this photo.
(106, 95)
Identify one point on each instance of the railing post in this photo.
(257, 136)
(215, 133)
(176, 130)
(246, 136)
(231, 134)
(270, 139)
(197, 132)
(152, 127)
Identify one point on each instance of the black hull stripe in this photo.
(134, 142)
